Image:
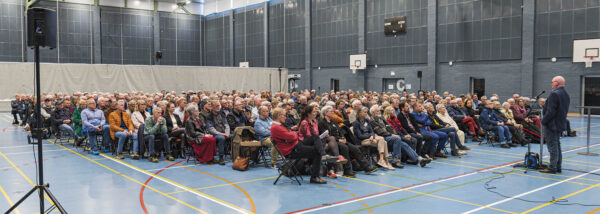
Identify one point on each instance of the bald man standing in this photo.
(554, 122)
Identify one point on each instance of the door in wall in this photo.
(394, 85)
(478, 86)
(335, 85)
(591, 93)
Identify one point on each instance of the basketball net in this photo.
(588, 64)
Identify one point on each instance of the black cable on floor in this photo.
(562, 202)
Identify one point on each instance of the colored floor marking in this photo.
(585, 127)
(545, 156)
(566, 176)
(594, 211)
(379, 194)
(8, 199)
(411, 178)
(561, 198)
(532, 191)
(146, 183)
(387, 192)
(223, 185)
(419, 194)
(346, 190)
(136, 181)
(181, 186)
(24, 176)
(253, 206)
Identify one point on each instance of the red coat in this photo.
(284, 139)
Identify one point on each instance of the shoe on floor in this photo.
(389, 166)
(370, 170)
(512, 144)
(462, 152)
(440, 155)
(330, 174)
(135, 156)
(95, 153)
(431, 156)
(548, 171)
(120, 156)
(317, 180)
(505, 146)
(424, 161)
(398, 164)
(170, 158)
(349, 173)
(153, 159)
(382, 163)
(464, 148)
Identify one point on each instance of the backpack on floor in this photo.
(532, 160)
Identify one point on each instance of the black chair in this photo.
(62, 137)
(488, 138)
(288, 168)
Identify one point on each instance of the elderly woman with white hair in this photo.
(446, 118)
(204, 144)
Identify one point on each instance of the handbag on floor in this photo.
(240, 163)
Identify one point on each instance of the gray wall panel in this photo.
(286, 33)
(334, 26)
(404, 48)
(479, 26)
(560, 22)
(248, 39)
(217, 40)
(75, 33)
(11, 46)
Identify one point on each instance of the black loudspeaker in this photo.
(419, 74)
(41, 27)
(158, 54)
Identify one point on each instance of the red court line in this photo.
(427, 182)
(147, 181)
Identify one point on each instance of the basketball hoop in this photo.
(588, 64)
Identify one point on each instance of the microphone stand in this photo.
(541, 131)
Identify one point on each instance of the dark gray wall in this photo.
(408, 48)
(474, 30)
(560, 22)
(286, 33)
(217, 40)
(75, 32)
(11, 47)
(334, 29)
(180, 39)
(249, 34)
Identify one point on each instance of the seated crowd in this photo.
(348, 131)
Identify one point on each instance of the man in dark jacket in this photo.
(61, 118)
(490, 121)
(218, 127)
(411, 126)
(236, 117)
(14, 104)
(554, 122)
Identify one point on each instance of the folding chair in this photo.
(60, 136)
(488, 138)
(288, 168)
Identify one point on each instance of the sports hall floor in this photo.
(84, 183)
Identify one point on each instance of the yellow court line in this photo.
(533, 176)
(515, 156)
(561, 198)
(179, 185)
(24, 176)
(594, 211)
(136, 181)
(122, 174)
(8, 199)
(432, 195)
(222, 185)
(566, 176)
(585, 127)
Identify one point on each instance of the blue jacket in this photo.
(556, 109)
(488, 119)
(456, 112)
(423, 119)
(262, 128)
(363, 130)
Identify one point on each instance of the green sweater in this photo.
(152, 127)
(77, 121)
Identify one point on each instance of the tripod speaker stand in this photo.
(41, 31)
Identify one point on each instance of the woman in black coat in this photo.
(175, 130)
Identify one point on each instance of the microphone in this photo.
(538, 96)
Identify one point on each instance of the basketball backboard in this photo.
(358, 62)
(587, 51)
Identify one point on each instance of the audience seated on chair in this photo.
(121, 128)
(93, 124)
(155, 127)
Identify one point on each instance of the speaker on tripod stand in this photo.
(41, 32)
